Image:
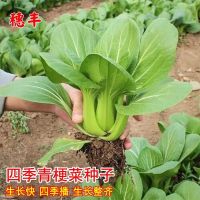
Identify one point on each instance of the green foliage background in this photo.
(19, 50)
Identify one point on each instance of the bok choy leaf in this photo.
(120, 73)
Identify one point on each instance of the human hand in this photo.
(125, 135)
(77, 109)
(77, 113)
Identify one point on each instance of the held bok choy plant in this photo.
(120, 73)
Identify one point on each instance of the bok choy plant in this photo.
(120, 73)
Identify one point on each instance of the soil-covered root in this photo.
(100, 153)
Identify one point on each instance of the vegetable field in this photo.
(128, 58)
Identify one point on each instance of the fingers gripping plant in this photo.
(120, 73)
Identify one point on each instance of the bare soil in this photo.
(70, 8)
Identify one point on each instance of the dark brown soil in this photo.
(27, 149)
(101, 153)
(197, 161)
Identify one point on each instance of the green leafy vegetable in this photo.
(150, 152)
(172, 142)
(174, 197)
(61, 145)
(155, 194)
(139, 143)
(191, 143)
(192, 124)
(116, 75)
(130, 186)
(188, 190)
